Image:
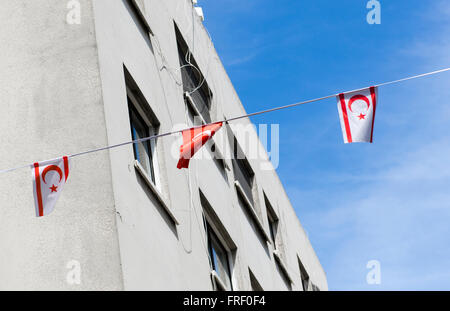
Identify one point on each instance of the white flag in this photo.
(357, 114)
(49, 178)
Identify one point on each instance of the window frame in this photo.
(212, 223)
(254, 283)
(304, 276)
(250, 204)
(137, 101)
(211, 238)
(192, 109)
(151, 130)
(244, 200)
(138, 12)
(283, 269)
(242, 167)
(272, 220)
(203, 90)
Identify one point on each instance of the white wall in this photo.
(153, 257)
(51, 105)
(62, 90)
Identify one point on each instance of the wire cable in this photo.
(233, 119)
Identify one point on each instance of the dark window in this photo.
(136, 8)
(256, 287)
(286, 280)
(242, 170)
(221, 248)
(244, 174)
(304, 276)
(143, 151)
(272, 231)
(219, 258)
(272, 220)
(143, 124)
(198, 93)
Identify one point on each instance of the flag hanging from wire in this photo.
(49, 178)
(193, 140)
(357, 114)
(350, 129)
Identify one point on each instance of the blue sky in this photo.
(388, 201)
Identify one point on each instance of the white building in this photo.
(128, 218)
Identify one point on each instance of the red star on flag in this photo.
(49, 178)
(354, 130)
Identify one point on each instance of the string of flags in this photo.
(356, 111)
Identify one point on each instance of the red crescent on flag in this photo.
(206, 133)
(358, 97)
(52, 168)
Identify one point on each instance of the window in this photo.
(136, 8)
(277, 243)
(272, 220)
(245, 185)
(143, 123)
(198, 95)
(256, 287)
(303, 275)
(243, 172)
(219, 260)
(282, 269)
(143, 151)
(221, 248)
(286, 279)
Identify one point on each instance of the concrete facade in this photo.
(63, 89)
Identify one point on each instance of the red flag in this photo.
(193, 140)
